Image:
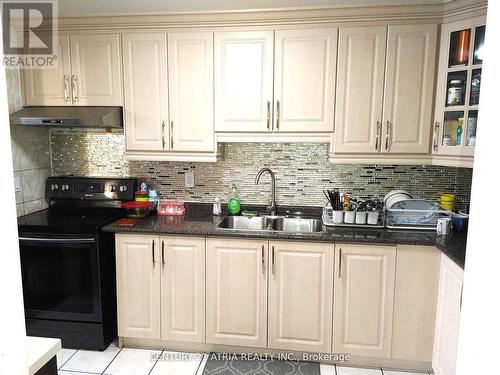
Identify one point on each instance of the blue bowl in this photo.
(460, 223)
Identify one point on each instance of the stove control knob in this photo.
(112, 188)
(65, 187)
(123, 188)
(54, 187)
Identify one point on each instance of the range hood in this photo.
(61, 117)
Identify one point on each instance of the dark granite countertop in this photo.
(199, 221)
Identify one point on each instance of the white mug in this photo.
(443, 225)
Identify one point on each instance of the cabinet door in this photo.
(237, 292)
(190, 72)
(145, 87)
(96, 69)
(138, 285)
(417, 278)
(50, 86)
(451, 279)
(409, 88)
(243, 81)
(183, 289)
(304, 80)
(363, 300)
(300, 296)
(360, 85)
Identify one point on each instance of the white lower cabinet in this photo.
(183, 288)
(363, 300)
(138, 285)
(449, 302)
(300, 296)
(237, 292)
(415, 296)
(374, 302)
(161, 287)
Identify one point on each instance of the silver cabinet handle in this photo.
(436, 136)
(388, 129)
(263, 261)
(273, 261)
(74, 88)
(340, 264)
(163, 253)
(377, 139)
(171, 135)
(163, 134)
(66, 92)
(277, 115)
(268, 115)
(153, 251)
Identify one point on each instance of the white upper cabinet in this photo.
(145, 84)
(304, 81)
(360, 87)
(190, 71)
(243, 81)
(96, 69)
(409, 86)
(50, 86)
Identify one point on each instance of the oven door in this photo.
(60, 276)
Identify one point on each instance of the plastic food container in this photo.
(170, 208)
(141, 196)
(137, 210)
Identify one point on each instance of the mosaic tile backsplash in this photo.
(302, 172)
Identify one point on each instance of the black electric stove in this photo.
(68, 263)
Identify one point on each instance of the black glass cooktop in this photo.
(74, 220)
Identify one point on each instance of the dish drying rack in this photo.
(408, 219)
(414, 219)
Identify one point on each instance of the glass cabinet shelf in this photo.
(460, 90)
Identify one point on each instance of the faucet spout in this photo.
(272, 205)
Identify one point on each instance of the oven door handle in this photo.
(57, 240)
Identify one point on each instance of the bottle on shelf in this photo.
(233, 203)
(460, 130)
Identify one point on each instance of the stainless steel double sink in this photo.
(271, 223)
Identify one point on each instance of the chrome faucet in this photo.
(272, 204)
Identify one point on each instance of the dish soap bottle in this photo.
(233, 203)
(460, 130)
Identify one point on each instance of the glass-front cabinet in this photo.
(458, 88)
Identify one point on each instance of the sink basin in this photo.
(279, 224)
(297, 225)
(245, 223)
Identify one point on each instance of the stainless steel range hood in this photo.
(61, 117)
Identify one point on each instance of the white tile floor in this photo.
(126, 361)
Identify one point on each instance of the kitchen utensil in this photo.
(137, 210)
(443, 226)
(460, 222)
